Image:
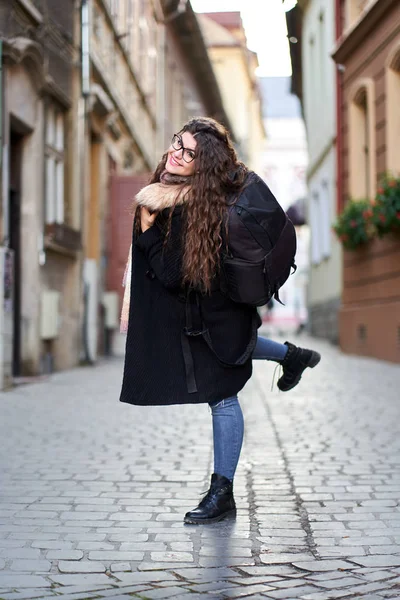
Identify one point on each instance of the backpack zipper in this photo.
(239, 210)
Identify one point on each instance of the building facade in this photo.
(311, 28)
(235, 66)
(40, 218)
(186, 87)
(368, 55)
(285, 161)
(92, 91)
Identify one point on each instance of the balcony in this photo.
(62, 238)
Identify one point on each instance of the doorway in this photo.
(14, 198)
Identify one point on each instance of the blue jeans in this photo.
(227, 416)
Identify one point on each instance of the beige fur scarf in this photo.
(156, 197)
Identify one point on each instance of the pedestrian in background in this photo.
(187, 341)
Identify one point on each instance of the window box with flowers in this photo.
(362, 220)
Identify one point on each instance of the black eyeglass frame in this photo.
(182, 147)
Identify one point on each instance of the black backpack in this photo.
(261, 245)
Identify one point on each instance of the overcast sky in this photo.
(265, 25)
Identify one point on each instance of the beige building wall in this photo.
(319, 97)
(234, 67)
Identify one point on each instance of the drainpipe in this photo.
(83, 151)
(4, 152)
(161, 68)
(339, 120)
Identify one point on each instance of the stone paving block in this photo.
(224, 561)
(64, 554)
(323, 565)
(143, 546)
(95, 546)
(289, 583)
(12, 543)
(251, 592)
(129, 536)
(81, 596)
(377, 561)
(283, 558)
(380, 576)
(369, 587)
(113, 555)
(132, 589)
(329, 595)
(233, 552)
(392, 549)
(190, 596)
(278, 572)
(327, 576)
(29, 594)
(20, 580)
(172, 556)
(34, 566)
(288, 533)
(121, 597)
(339, 583)
(81, 579)
(299, 592)
(51, 545)
(330, 551)
(144, 577)
(82, 566)
(19, 553)
(87, 537)
(157, 566)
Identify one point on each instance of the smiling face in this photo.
(176, 163)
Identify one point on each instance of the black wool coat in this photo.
(158, 371)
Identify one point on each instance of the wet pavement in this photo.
(92, 492)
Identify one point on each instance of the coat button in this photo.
(150, 274)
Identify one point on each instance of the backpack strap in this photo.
(188, 332)
(276, 295)
(247, 353)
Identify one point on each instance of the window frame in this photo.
(361, 117)
(54, 157)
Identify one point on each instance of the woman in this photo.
(187, 341)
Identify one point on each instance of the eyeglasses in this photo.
(188, 154)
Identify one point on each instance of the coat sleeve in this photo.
(164, 260)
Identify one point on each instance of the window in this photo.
(393, 112)
(362, 157)
(320, 221)
(114, 7)
(97, 23)
(54, 157)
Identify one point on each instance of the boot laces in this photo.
(278, 366)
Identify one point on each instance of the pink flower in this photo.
(353, 224)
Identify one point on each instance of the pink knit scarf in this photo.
(169, 192)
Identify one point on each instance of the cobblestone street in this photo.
(93, 491)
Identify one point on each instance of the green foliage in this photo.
(353, 226)
(362, 220)
(386, 207)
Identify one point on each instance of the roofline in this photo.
(188, 36)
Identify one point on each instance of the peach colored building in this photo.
(368, 52)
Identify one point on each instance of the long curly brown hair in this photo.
(217, 179)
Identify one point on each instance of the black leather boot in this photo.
(294, 363)
(217, 504)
